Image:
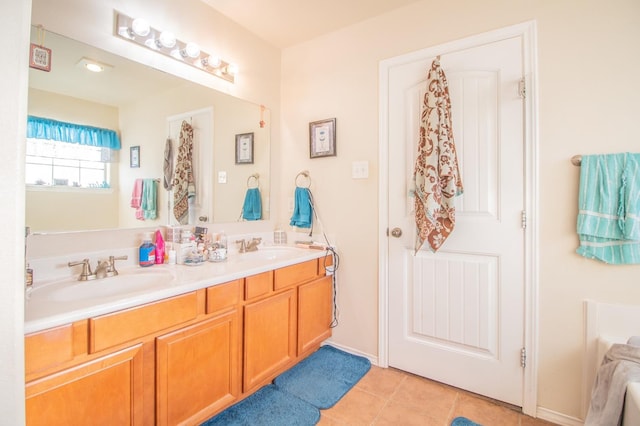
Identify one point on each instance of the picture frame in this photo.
(39, 57)
(134, 157)
(322, 138)
(244, 148)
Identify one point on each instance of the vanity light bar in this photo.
(139, 31)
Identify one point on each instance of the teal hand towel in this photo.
(609, 208)
(252, 207)
(149, 199)
(302, 213)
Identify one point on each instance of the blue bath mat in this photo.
(269, 407)
(324, 377)
(463, 421)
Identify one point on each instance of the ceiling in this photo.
(285, 23)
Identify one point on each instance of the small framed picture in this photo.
(322, 138)
(40, 57)
(244, 148)
(134, 157)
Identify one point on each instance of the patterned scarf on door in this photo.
(183, 182)
(436, 175)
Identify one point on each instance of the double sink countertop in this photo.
(64, 301)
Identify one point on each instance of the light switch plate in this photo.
(222, 177)
(360, 170)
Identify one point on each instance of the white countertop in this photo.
(65, 301)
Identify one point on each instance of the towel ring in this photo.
(304, 173)
(256, 177)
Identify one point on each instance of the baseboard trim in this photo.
(558, 418)
(371, 358)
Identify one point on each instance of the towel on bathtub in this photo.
(621, 365)
(609, 208)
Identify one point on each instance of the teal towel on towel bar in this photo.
(302, 213)
(149, 205)
(609, 208)
(252, 207)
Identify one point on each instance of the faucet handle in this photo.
(86, 273)
(243, 246)
(111, 268)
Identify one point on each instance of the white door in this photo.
(457, 316)
(200, 208)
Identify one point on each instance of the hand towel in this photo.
(184, 185)
(436, 176)
(252, 207)
(149, 199)
(167, 165)
(608, 222)
(302, 212)
(136, 198)
(620, 366)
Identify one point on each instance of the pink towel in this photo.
(136, 198)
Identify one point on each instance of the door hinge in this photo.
(523, 357)
(522, 88)
(523, 219)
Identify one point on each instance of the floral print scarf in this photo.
(436, 175)
(183, 182)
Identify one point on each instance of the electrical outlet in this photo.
(222, 177)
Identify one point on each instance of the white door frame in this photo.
(527, 31)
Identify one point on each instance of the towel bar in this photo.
(576, 160)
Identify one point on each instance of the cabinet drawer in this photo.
(48, 348)
(119, 327)
(295, 274)
(258, 285)
(224, 295)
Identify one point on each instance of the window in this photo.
(53, 163)
(68, 154)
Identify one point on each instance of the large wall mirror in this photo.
(146, 107)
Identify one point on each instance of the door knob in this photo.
(396, 232)
(203, 218)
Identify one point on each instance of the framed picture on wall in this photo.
(40, 57)
(322, 138)
(134, 157)
(244, 148)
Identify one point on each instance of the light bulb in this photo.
(167, 39)
(211, 61)
(191, 50)
(93, 67)
(232, 69)
(141, 27)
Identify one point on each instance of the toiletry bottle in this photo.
(159, 248)
(147, 251)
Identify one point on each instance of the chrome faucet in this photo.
(247, 246)
(105, 268)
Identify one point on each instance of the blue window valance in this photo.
(45, 128)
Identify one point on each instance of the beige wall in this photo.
(588, 87)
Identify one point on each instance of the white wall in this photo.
(588, 87)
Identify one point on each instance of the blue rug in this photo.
(463, 421)
(269, 407)
(324, 377)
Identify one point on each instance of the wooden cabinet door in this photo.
(269, 338)
(315, 306)
(105, 391)
(198, 370)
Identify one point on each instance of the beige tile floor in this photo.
(386, 396)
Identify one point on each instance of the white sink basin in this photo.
(125, 284)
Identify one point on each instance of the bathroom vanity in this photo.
(182, 358)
